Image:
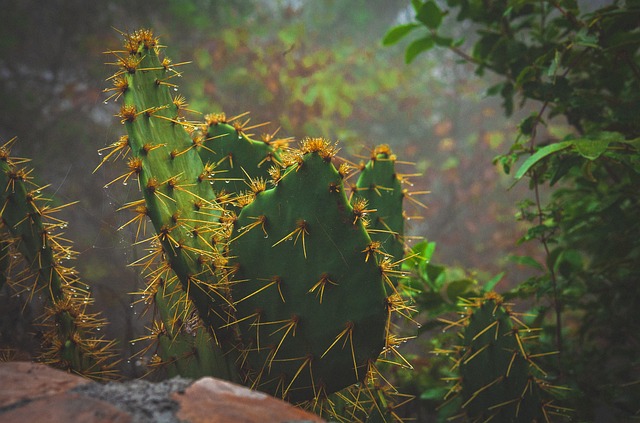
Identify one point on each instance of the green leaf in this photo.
(493, 282)
(591, 149)
(526, 261)
(429, 249)
(417, 47)
(527, 74)
(395, 34)
(553, 68)
(583, 38)
(457, 289)
(432, 274)
(417, 4)
(430, 15)
(528, 124)
(495, 89)
(541, 154)
(459, 42)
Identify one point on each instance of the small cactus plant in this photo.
(31, 236)
(498, 378)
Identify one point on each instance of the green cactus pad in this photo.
(498, 379)
(309, 293)
(380, 186)
(178, 196)
(236, 157)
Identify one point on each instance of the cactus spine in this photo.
(30, 229)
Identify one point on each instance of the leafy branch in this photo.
(584, 68)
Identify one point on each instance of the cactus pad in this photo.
(379, 184)
(309, 293)
(499, 380)
(30, 231)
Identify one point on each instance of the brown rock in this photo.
(216, 401)
(65, 407)
(23, 381)
(33, 393)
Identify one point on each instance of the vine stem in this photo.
(544, 240)
(557, 304)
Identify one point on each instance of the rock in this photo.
(235, 403)
(146, 402)
(36, 393)
(66, 407)
(23, 381)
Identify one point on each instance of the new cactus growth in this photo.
(381, 187)
(233, 155)
(30, 229)
(499, 380)
(308, 286)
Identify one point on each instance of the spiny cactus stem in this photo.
(30, 227)
(179, 201)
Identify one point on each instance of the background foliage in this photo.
(577, 62)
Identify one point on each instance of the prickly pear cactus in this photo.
(31, 233)
(499, 380)
(308, 286)
(289, 283)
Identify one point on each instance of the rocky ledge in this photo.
(37, 393)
